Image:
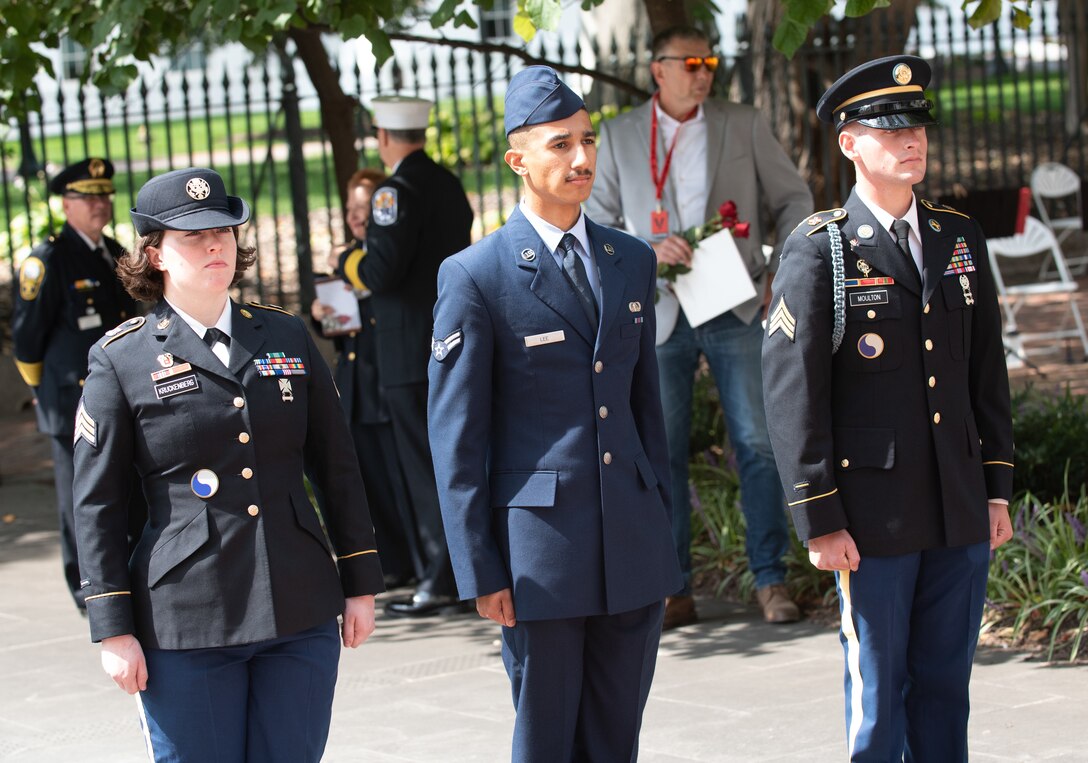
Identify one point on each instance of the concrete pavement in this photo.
(727, 689)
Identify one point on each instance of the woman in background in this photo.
(356, 376)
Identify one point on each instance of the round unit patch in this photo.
(204, 483)
(870, 346)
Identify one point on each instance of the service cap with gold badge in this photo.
(886, 94)
(91, 177)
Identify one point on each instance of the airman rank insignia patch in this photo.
(441, 348)
(127, 327)
(383, 209)
(782, 320)
(86, 428)
(31, 275)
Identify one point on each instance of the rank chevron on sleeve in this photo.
(782, 320)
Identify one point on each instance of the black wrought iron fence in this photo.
(1007, 100)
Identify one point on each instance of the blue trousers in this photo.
(734, 352)
(268, 702)
(910, 624)
(580, 685)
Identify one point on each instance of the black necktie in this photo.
(576, 274)
(901, 231)
(213, 335)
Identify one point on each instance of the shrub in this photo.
(1039, 579)
(1050, 430)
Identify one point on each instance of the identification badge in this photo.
(92, 321)
(550, 338)
(874, 297)
(173, 387)
(659, 222)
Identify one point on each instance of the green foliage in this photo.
(801, 15)
(1039, 579)
(1050, 430)
(26, 230)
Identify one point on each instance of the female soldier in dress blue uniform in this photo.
(224, 617)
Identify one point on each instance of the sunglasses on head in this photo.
(692, 63)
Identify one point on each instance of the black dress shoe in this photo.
(423, 604)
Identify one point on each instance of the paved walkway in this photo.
(728, 689)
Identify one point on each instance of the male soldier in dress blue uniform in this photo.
(549, 443)
(418, 217)
(888, 404)
(67, 296)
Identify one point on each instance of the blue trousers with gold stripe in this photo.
(909, 628)
(267, 702)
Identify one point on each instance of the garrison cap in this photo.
(888, 94)
(536, 96)
(189, 199)
(91, 177)
(401, 112)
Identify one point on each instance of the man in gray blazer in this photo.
(706, 152)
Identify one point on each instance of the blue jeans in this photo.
(733, 351)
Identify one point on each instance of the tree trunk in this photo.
(337, 108)
(787, 91)
(1074, 29)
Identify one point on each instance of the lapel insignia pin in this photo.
(853, 243)
(936, 226)
(608, 249)
(865, 231)
(528, 255)
(165, 360)
(163, 323)
(634, 307)
(864, 268)
(245, 313)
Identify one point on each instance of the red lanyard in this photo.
(659, 182)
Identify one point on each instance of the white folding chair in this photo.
(1054, 184)
(1036, 239)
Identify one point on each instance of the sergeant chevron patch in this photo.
(86, 428)
(782, 320)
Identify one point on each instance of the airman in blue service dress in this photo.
(235, 584)
(549, 446)
(418, 217)
(68, 295)
(888, 404)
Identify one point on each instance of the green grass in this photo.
(993, 98)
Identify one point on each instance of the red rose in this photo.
(740, 230)
(728, 210)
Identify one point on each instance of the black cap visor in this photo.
(237, 213)
(896, 115)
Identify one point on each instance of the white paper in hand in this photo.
(718, 280)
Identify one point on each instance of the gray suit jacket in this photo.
(745, 163)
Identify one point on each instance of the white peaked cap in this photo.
(401, 112)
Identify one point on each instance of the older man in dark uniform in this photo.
(418, 217)
(67, 296)
(548, 440)
(888, 404)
